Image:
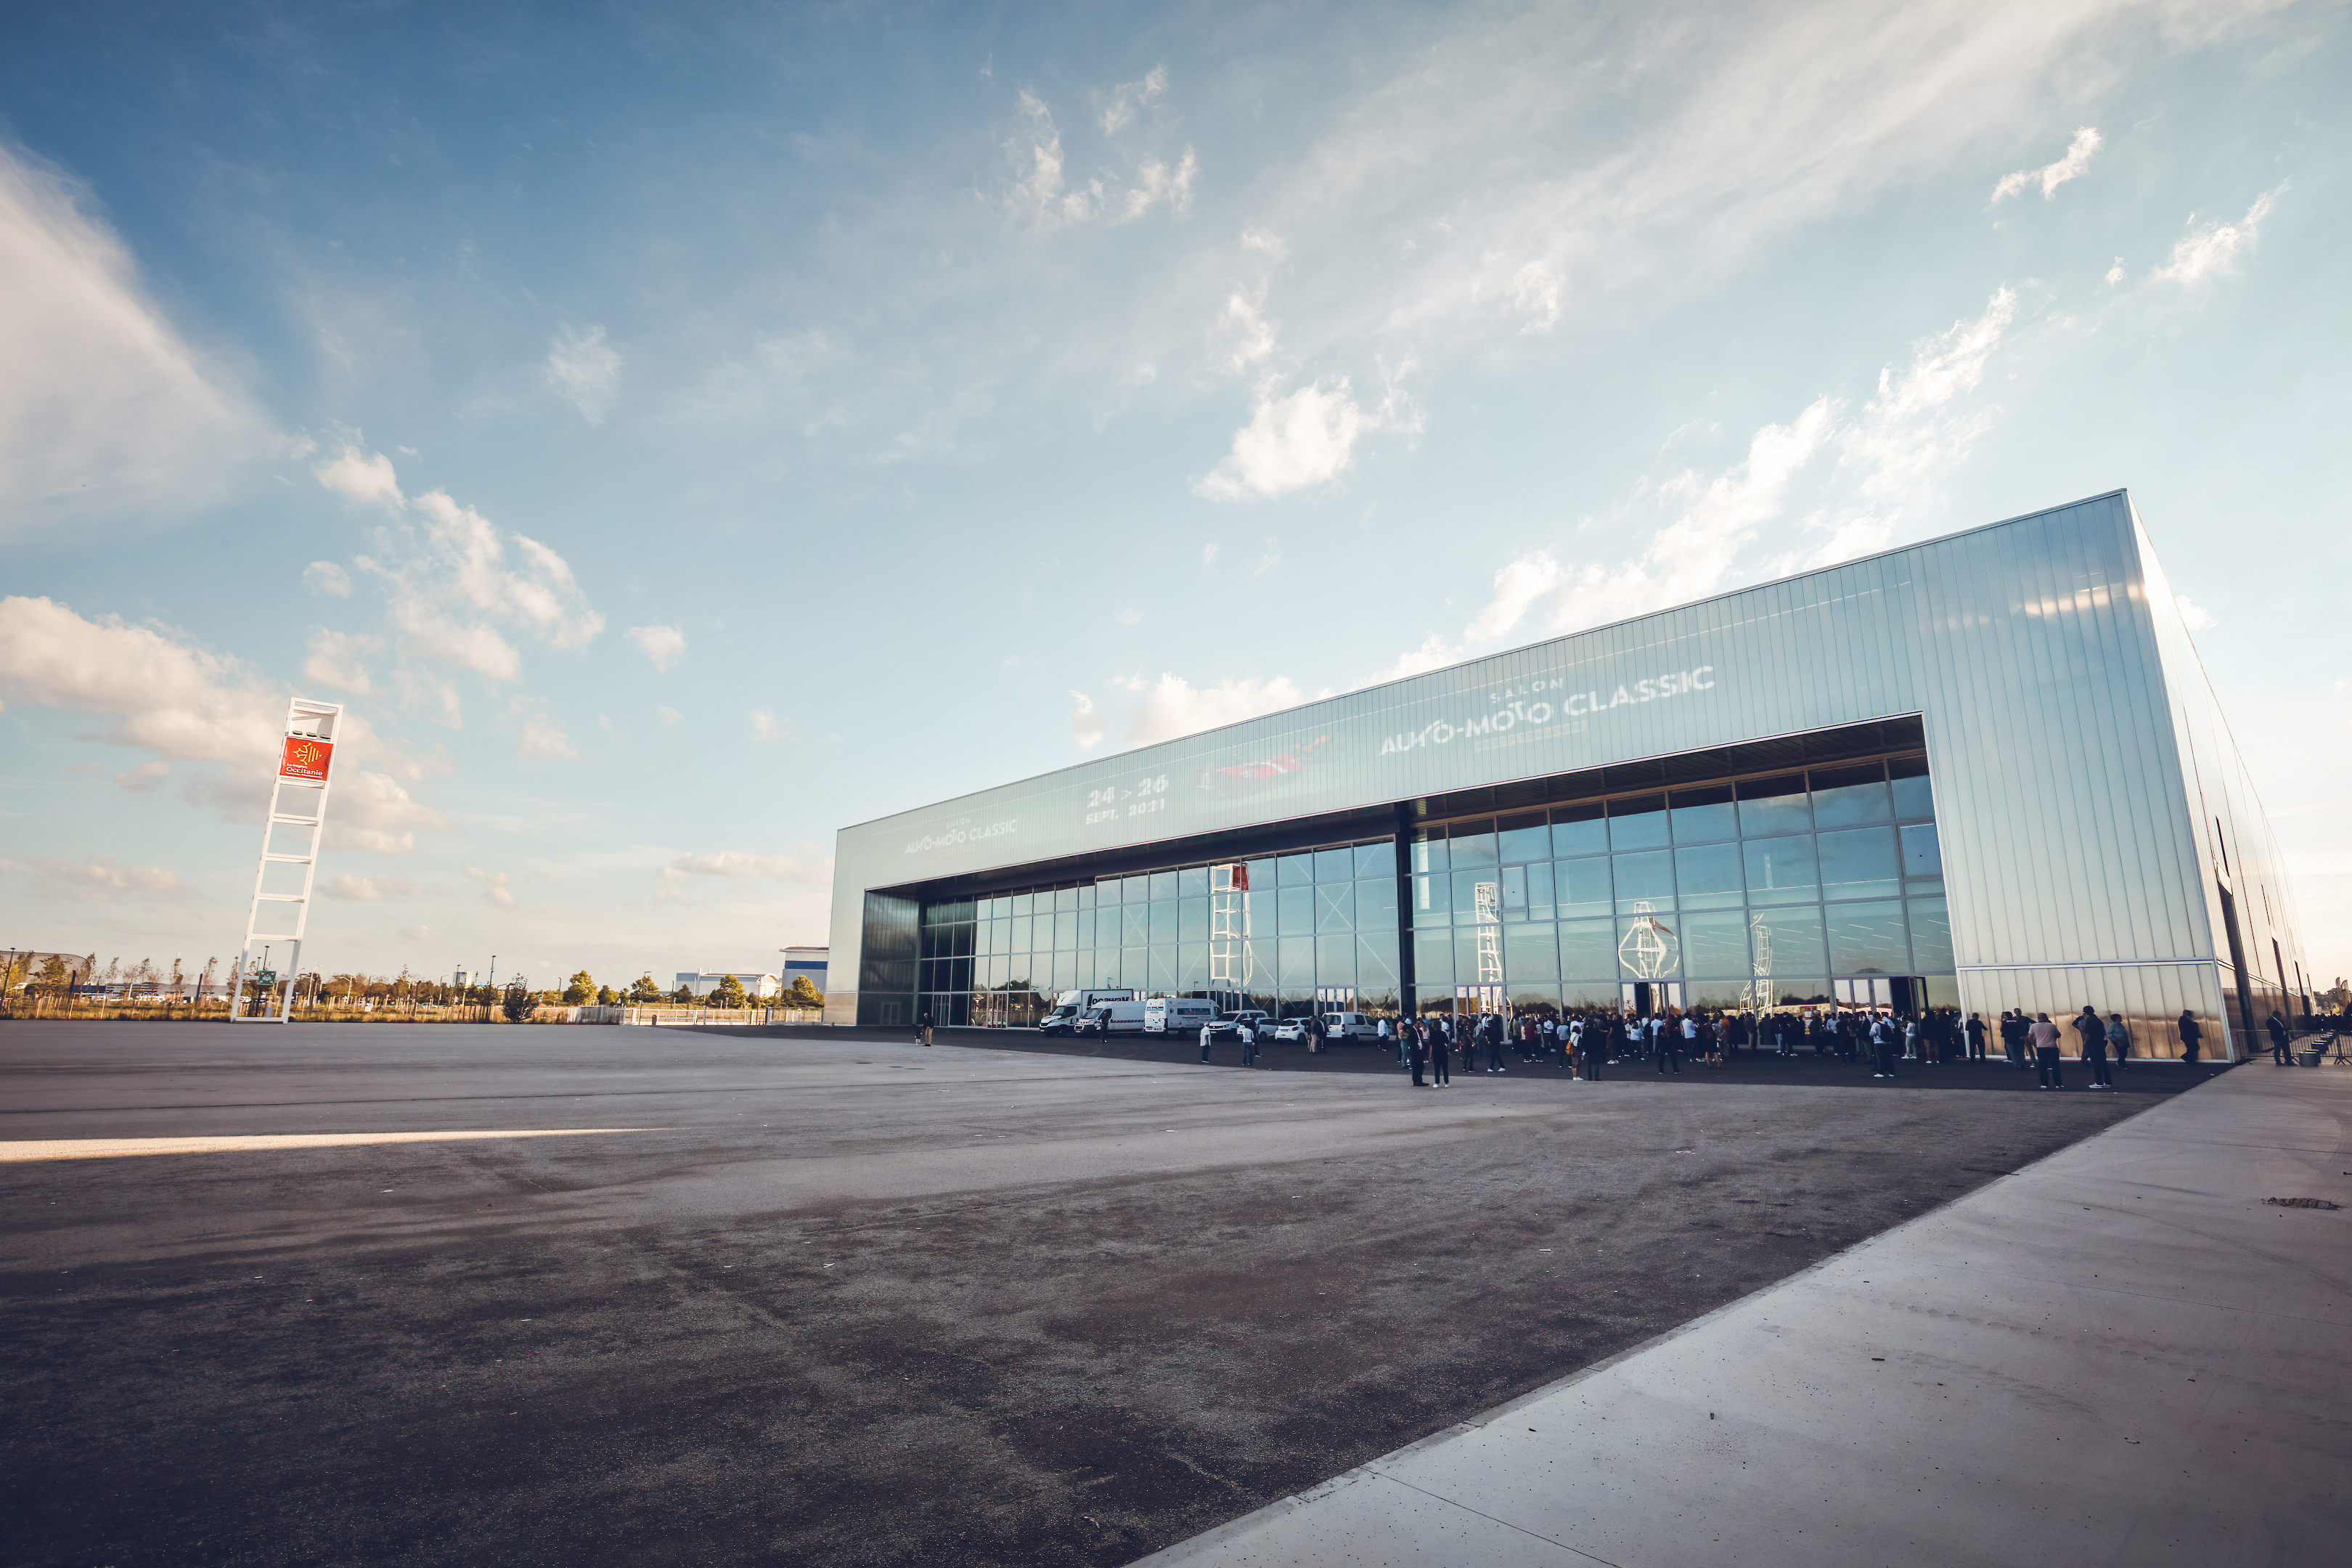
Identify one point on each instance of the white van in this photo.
(1178, 1015)
(1338, 1027)
(1112, 1018)
(1071, 1008)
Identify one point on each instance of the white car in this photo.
(1291, 1029)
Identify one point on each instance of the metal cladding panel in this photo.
(2026, 647)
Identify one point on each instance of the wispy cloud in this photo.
(2211, 249)
(1086, 724)
(585, 370)
(662, 646)
(1175, 707)
(107, 413)
(327, 580)
(2050, 177)
(1303, 438)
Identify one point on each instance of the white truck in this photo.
(1071, 1007)
(1178, 1015)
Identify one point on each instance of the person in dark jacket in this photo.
(2094, 1034)
(2191, 1036)
(1495, 1043)
(2013, 1037)
(1440, 1054)
(2118, 1039)
(1975, 1027)
(1416, 1051)
(2278, 1026)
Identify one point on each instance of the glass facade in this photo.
(1649, 796)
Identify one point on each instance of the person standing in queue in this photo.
(2050, 1074)
(2118, 1039)
(1440, 1054)
(1667, 1044)
(1204, 1044)
(1976, 1032)
(2092, 1044)
(1249, 1044)
(1884, 1033)
(1416, 1051)
(1495, 1043)
(2192, 1037)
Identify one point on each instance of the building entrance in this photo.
(1647, 996)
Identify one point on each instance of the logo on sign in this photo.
(305, 759)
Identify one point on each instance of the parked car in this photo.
(1228, 1026)
(1291, 1031)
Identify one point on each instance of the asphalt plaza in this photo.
(748, 1298)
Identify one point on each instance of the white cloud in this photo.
(1209, 553)
(2050, 177)
(2196, 616)
(373, 811)
(2212, 250)
(157, 693)
(662, 646)
(2115, 273)
(667, 716)
(1174, 707)
(327, 580)
(1086, 724)
(1126, 99)
(494, 889)
(417, 932)
(804, 866)
(99, 876)
(765, 726)
(1434, 653)
(141, 780)
(371, 889)
(106, 412)
(541, 742)
(1518, 587)
(1248, 336)
(1689, 557)
(585, 370)
(359, 475)
(1129, 616)
(452, 578)
(1040, 194)
(1305, 438)
(1536, 288)
(334, 660)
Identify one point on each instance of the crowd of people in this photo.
(1586, 1043)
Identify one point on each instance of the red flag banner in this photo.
(305, 759)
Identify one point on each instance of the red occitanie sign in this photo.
(305, 759)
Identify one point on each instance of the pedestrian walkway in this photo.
(2125, 1354)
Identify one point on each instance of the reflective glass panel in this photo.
(1192, 881)
(1021, 902)
(1295, 871)
(1788, 941)
(1579, 830)
(1649, 877)
(1375, 860)
(1524, 844)
(1774, 805)
(1539, 904)
(1295, 914)
(1931, 936)
(1376, 904)
(1433, 961)
(1334, 907)
(1427, 854)
(1466, 894)
(1162, 886)
(1582, 887)
(1588, 950)
(1470, 849)
(1192, 920)
(1715, 942)
(1867, 939)
(1375, 962)
(1335, 960)
(1135, 924)
(1707, 876)
(1852, 805)
(1514, 880)
(1859, 863)
(1648, 947)
(1781, 870)
(1638, 822)
(1065, 930)
(1921, 854)
(1163, 970)
(1432, 901)
(1913, 797)
(1531, 953)
(1021, 942)
(1702, 816)
(1335, 864)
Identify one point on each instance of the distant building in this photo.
(811, 962)
(702, 982)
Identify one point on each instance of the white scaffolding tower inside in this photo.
(289, 862)
(1231, 964)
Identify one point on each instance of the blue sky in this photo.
(678, 435)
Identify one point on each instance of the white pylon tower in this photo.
(1231, 964)
(1759, 989)
(1649, 946)
(1487, 899)
(290, 858)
